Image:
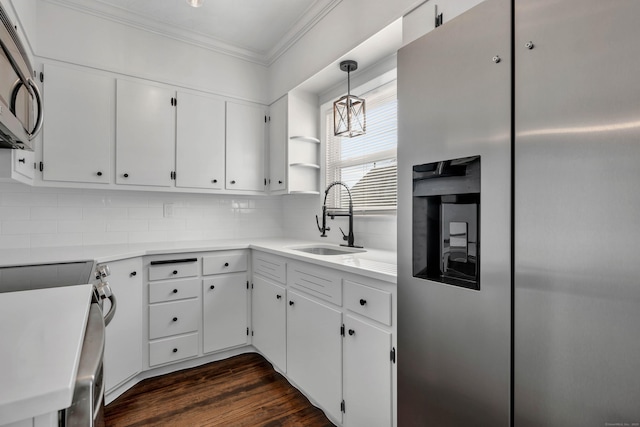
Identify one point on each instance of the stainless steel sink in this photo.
(327, 250)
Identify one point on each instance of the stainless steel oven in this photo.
(87, 407)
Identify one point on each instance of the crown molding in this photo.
(314, 14)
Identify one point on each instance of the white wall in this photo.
(32, 217)
(68, 35)
(348, 25)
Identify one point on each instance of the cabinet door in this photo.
(367, 375)
(123, 346)
(200, 141)
(145, 134)
(314, 351)
(224, 311)
(78, 125)
(269, 320)
(277, 145)
(245, 147)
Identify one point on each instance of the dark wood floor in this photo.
(241, 391)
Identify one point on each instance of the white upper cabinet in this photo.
(145, 135)
(245, 147)
(200, 143)
(278, 145)
(78, 125)
(294, 149)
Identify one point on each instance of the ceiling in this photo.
(256, 30)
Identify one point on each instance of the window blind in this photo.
(367, 164)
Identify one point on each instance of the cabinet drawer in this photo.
(172, 318)
(173, 270)
(173, 349)
(319, 282)
(370, 302)
(227, 262)
(174, 290)
(269, 266)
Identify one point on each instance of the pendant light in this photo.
(194, 3)
(349, 118)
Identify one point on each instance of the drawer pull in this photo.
(133, 273)
(175, 291)
(278, 296)
(291, 303)
(226, 264)
(211, 287)
(175, 350)
(363, 301)
(352, 332)
(175, 271)
(175, 319)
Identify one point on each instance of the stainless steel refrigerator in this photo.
(519, 217)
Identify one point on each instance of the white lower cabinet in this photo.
(269, 317)
(123, 349)
(224, 304)
(367, 374)
(314, 351)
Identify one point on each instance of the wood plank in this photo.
(240, 391)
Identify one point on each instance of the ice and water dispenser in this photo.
(446, 222)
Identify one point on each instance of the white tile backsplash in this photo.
(46, 217)
(371, 231)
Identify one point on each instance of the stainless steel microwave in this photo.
(20, 101)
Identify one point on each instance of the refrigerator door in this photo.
(577, 205)
(455, 102)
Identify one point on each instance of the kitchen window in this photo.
(367, 164)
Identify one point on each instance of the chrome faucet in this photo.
(349, 237)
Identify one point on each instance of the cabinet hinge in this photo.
(252, 333)
(343, 407)
(247, 284)
(41, 166)
(265, 119)
(393, 354)
(342, 330)
(173, 175)
(265, 181)
(41, 77)
(174, 102)
(247, 331)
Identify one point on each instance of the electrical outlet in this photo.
(168, 210)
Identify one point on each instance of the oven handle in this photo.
(112, 310)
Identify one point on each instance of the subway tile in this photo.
(29, 199)
(29, 227)
(60, 213)
(167, 224)
(15, 212)
(15, 241)
(127, 225)
(104, 213)
(59, 239)
(105, 238)
(81, 226)
(145, 213)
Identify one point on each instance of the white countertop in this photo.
(374, 263)
(41, 335)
